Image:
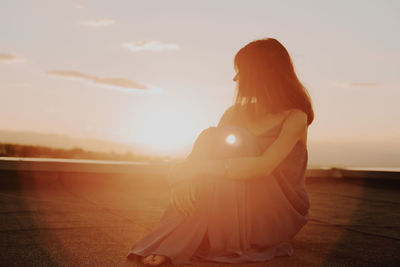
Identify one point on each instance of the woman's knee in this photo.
(206, 140)
(210, 131)
(208, 135)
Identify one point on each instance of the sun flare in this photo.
(231, 139)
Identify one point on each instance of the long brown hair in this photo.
(266, 76)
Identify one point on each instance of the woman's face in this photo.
(236, 77)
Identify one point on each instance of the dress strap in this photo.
(287, 116)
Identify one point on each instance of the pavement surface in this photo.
(80, 219)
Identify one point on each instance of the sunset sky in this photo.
(157, 72)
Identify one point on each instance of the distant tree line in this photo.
(16, 150)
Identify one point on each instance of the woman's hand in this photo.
(183, 196)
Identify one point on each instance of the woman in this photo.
(240, 195)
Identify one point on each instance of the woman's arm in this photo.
(249, 167)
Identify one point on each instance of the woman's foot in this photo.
(154, 259)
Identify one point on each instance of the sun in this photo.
(166, 127)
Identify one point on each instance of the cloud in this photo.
(97, 22)
(149, 46)
(357, 84)
(111, 82)
(9, 58)
(78, 6)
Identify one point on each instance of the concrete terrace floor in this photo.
(80, 219)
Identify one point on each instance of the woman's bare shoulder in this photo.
(298, 120)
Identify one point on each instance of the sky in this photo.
(157, 72)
